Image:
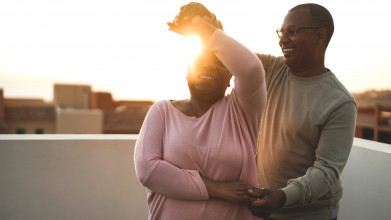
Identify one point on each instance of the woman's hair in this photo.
(319, 16)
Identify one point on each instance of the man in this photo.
(308, 124)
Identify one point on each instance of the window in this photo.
(384, 137)
(20, 131)
(367, 133)
(39, 131)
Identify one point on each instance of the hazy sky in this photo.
(124, 47)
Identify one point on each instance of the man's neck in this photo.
(309, 72)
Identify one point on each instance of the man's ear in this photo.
(322, 34)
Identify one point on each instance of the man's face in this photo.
(300, 49)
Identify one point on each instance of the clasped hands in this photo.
(261, 202)
(265, 201)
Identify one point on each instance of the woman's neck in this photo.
(193, 107)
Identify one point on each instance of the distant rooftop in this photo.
(30, 112)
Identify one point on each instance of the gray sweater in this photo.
(305, 139)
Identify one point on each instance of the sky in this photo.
(124, 47)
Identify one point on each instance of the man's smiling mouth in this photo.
(287, 50)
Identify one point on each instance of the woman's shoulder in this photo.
(163, 103)
(167, 105)
(159, 105)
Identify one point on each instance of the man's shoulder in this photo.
(340, 91)
(272, 65)
(269, 58)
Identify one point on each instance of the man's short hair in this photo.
(319, 16)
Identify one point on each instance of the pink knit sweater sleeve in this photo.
(250, 83)
(157, 174)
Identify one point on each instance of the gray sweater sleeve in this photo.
(331, 156)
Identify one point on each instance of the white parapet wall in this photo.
(69, 177)
(80, 177)
(366, 182)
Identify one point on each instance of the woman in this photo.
(196, 156)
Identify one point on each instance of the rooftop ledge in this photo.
(372, 145)
(92, 176)
(358, 142)
(68, 136)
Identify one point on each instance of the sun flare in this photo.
(125, 47)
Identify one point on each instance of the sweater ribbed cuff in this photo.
(292, 193)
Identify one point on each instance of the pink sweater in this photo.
(173, 149)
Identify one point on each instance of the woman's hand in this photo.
(233, 191)
(188, 26)
(192, 9)
(194, 19)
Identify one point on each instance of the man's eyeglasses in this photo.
(291, 32)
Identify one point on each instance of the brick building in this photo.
(76, 109)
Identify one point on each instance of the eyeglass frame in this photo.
(294, 28)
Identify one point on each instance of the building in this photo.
(72, 96)
(3, 125)
(73, 113)
(26, 116)
(374, 121)
(76, 109)
(79, 121)
(126, 118)
(374, 115)
(120, 117)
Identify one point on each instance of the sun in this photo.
(193, 47)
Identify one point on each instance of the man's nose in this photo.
(283, 40)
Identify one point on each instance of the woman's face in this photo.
(208, 77)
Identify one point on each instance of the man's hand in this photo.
(267, 201)
(235, 191)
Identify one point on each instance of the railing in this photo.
(92, 177)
